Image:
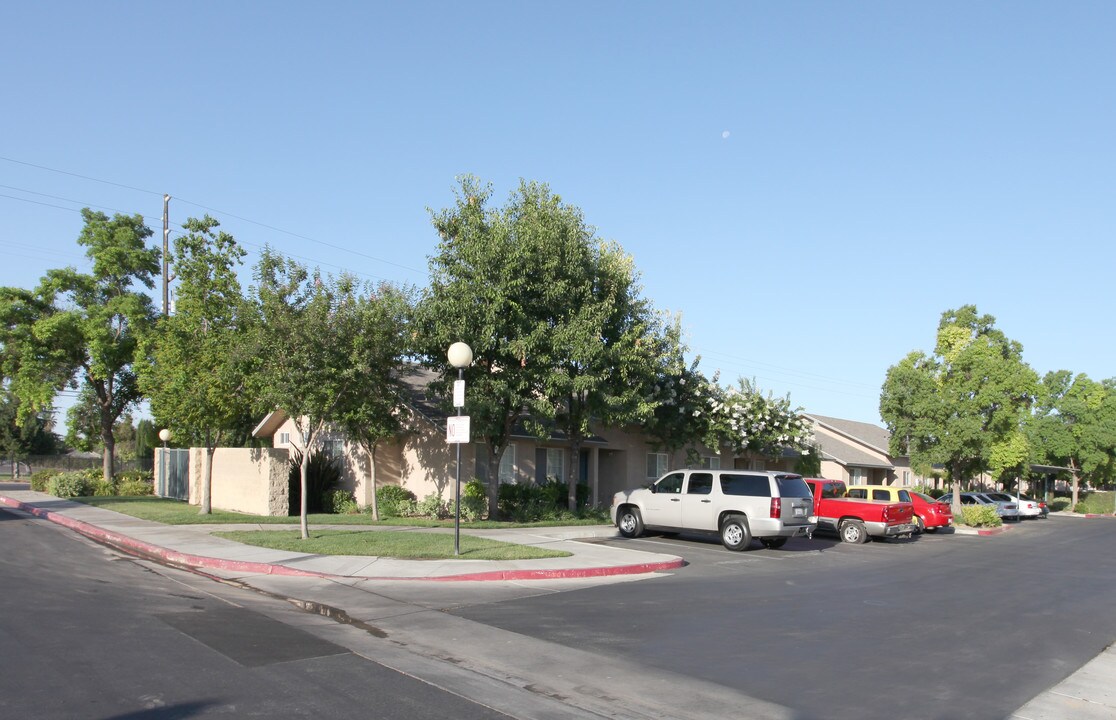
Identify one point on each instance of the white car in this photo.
(1028, 508)
(1006, 510)
(736, 504)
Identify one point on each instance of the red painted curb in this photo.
(171, 557)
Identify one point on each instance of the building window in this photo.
(507, 465)
(759, 465)
(709, 462)
(906, 477)
(285, 438)
(857, 475)
(333, 449)
(656, 465)
(556, 463)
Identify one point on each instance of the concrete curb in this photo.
(167, 556)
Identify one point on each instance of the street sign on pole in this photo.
(457, 429)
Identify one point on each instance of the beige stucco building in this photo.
(420, 460)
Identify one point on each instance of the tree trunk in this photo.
(207, 478)
(1076, 482)
(303, 470)
(494, 455)
(372, 480)
(955, 488)
(575, 466)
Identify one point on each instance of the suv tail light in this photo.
(776, 507)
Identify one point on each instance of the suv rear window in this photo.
(792, 486)
(747, 485)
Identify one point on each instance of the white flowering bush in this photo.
(744, 419)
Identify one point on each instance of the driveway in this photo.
(942, 626)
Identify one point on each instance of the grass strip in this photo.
(409, 545)
(178, 512)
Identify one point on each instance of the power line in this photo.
(221, 212)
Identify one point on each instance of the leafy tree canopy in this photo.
(963, 404)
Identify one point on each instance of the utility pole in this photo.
(166, 254)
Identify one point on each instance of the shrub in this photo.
(101, 488)
(530, 502)
(392, 500)
(474, 502)
(1099, 503)
(931, 491)
(40, 478)
(135, 476)
(980, 516)
(70, 484)
(134, 487)
(323, 474)
(1059, 504)
(431, 507)
(340, 502)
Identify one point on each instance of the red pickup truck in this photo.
(855, 521)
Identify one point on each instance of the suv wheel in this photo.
(630, 522)
(853, 531)
(735, 534)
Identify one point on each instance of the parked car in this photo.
(854, 519)
(1006, 510)
(737, 504)
(1028, 508)
(929, 514)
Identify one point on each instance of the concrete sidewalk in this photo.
(194, 546)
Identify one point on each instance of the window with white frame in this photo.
(906, 477)
(556, 463)
(857, 476)
(285, 438)
(656, 465)
(760, 465)
(708, 462)
(507, 465)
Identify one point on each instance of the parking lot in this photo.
(939, 626)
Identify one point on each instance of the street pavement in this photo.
(1087, 694)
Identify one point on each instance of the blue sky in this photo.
(811, 184)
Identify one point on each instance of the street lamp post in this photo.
(164, 435)
(460, 356)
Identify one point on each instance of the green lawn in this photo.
(409, 545)
(177, 512)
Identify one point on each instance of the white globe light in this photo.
(164, 434)
(460, 355)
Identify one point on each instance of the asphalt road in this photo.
(943, 626)
(87, 633)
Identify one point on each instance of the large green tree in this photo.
(553, 316)
(489, 282)
(80, 330)
(1075, 426)
(198, 366)
(303, 353)
(373, 325)
(959, 405)
(602, 347)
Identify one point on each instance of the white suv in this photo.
(736, 504)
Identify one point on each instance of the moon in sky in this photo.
(725, 134)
